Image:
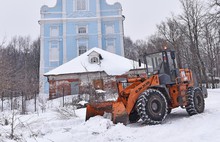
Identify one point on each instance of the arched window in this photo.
(82, 30)
(94, 60)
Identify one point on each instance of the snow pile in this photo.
(49, 126)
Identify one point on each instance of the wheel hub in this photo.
(155, 106)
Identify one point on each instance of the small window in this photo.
(81, 5)
(54, 31)
(82, 49)
(94, 60)
(82, 30)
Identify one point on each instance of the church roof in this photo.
(111, 63)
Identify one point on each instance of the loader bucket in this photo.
(94, 109)
(117, 109)
(119, 113)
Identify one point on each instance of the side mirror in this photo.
(139, 62)
(173, 55)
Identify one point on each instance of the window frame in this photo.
(94, 60)
(80, 50)
(85, 27)
(80, 43)
(86, 5)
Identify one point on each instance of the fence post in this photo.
(63, 97)
(22, 102)
(35, 101)
(2, 100)
(11, 101)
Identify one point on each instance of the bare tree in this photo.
(193, 17)
(130, 49)
(171, 32)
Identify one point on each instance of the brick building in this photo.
(96, 69)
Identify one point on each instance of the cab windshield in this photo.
(154, 62)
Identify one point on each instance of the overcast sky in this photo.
(20, 17)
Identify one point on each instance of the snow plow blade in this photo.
(117, 109)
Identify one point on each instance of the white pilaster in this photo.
(64, 32)
(121, 26)
(98, 15)
(42, 66)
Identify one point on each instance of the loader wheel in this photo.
(169, 110)
(134, 116)
(196, 103)
(152, 106)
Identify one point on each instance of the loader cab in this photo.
(164, 64)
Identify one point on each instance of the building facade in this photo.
(96, 69)
(72, 27)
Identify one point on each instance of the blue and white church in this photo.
(72, 27)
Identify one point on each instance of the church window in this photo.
(81, 5)
(82, 46)
(82, 30)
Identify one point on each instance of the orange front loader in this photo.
(151, 98)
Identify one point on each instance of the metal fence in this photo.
(11, 100)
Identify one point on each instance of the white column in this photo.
(121, 26)
(98, 15)
(64, 31)
(42, 66)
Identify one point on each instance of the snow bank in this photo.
(178, 126)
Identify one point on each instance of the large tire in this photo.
(169, 110)
(152, 107)
(134, 116)
(196, 103)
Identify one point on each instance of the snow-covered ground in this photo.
(54, 126)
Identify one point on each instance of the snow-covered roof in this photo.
(111, 63)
